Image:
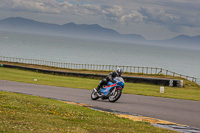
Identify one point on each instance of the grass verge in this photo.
(24, 113)
(189, 92)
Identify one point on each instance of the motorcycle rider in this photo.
(110, 78)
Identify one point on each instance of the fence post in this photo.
(193, 79)
(166, 72)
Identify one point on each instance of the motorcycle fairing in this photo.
(106, 89)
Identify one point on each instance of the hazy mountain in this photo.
(69, 29)
(22, 24)
(89, 31)
(183, 39)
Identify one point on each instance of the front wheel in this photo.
(115, 95)
(94, 95)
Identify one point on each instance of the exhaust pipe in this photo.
(97, 93)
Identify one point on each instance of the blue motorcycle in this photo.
(112, 91)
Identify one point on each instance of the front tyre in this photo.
(94, 95)
(115, 95)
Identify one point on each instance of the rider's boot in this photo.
(98, 88)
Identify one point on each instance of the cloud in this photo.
(172, 19)
(45, 6)
(172, 14)
(132, 17)
(153, 15)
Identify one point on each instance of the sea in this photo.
(184, 60)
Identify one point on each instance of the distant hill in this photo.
(93, 31)
(183, 39)
(69, 29)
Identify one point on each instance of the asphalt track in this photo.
(184, 112)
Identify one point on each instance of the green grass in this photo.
(24, 113)
(188, 92)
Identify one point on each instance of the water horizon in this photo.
(181, 60)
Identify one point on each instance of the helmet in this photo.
(119, 71)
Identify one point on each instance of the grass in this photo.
(24, 113)
(189, 92)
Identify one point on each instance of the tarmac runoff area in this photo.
(169, 112)
(153, 121)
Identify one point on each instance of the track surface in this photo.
(184, 112)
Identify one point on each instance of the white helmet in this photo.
(119, 71)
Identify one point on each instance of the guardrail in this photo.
(156, 81)
(130, 69)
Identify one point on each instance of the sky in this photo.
(153, 19)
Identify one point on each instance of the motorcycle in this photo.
(112, 91)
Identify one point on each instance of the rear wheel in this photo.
(115, 95)
(94, 95)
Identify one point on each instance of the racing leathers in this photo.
(108, 78)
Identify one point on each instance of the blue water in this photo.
(185, 60)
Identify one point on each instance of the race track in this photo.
(184, 112)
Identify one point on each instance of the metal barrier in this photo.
(131, 79)
(130, 69)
